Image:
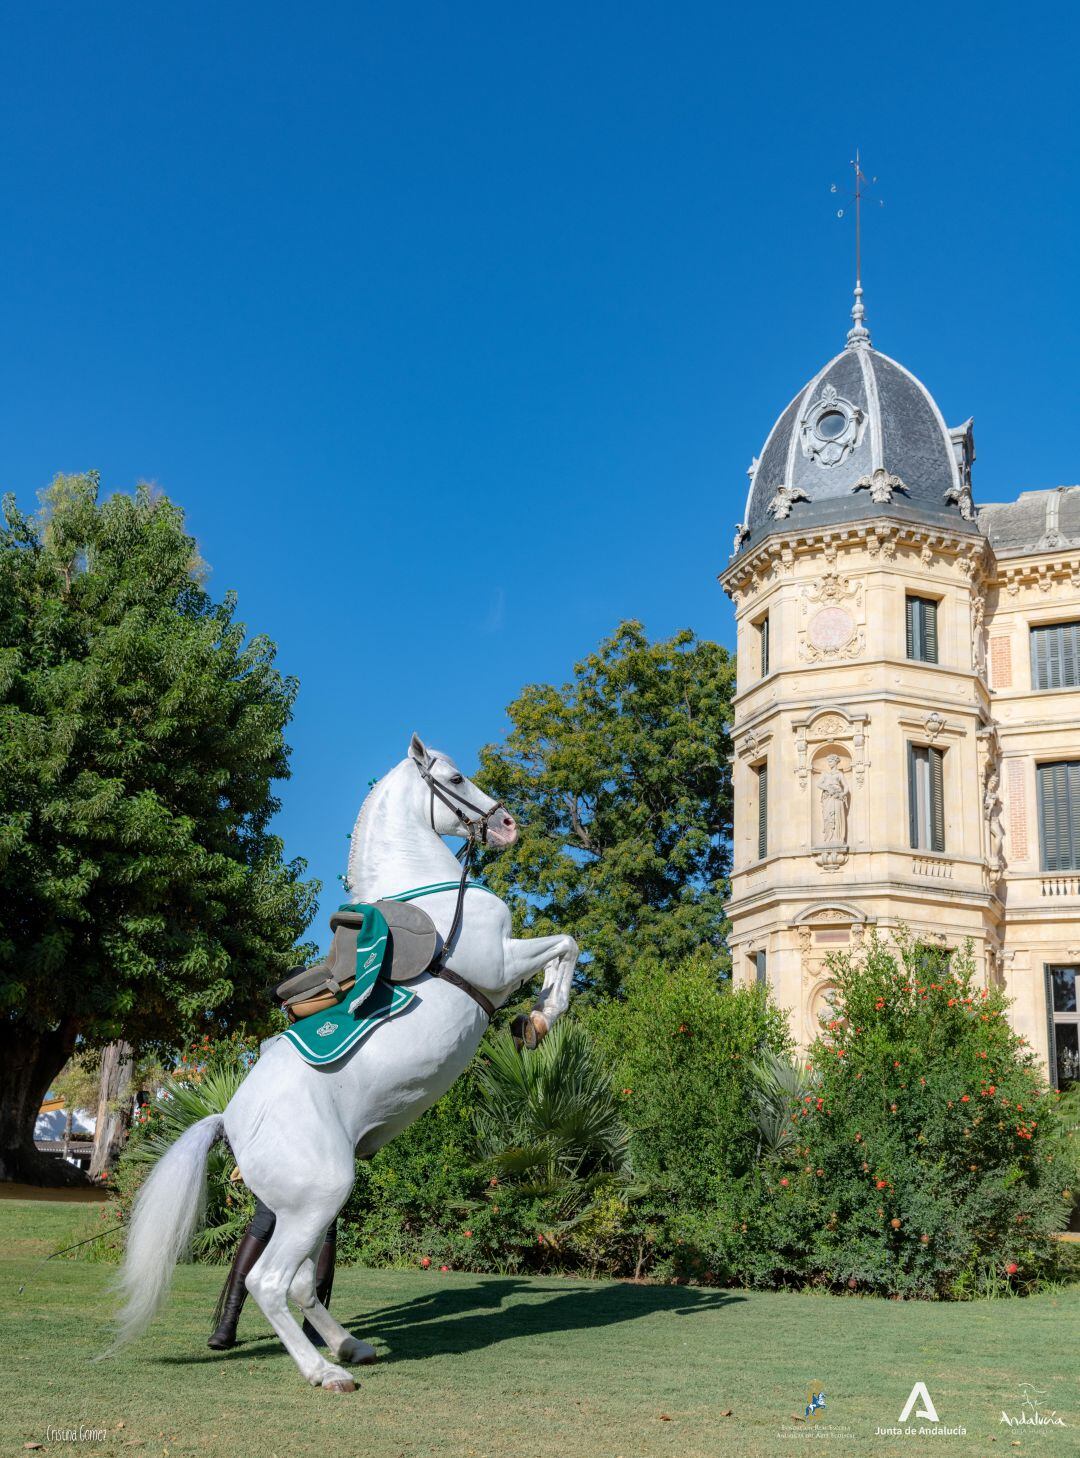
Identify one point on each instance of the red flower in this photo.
(539, 1240)
(965, 1099)
(881, 1184)
(425, 1261)
(468, 1235)
(1012, 1268)
(444, 1268)
(783, 1184)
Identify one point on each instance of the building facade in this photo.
(907, 716)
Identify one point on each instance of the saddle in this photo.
(411, 945)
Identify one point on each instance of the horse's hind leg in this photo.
(296, 1235)
(342, 1343)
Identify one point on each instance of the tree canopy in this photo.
(142, 892)
(621, 781)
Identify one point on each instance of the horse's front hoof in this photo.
(541, 1026)
(339, 1384)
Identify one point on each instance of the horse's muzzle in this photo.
(502, 831)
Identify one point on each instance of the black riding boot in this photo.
(234, 1294)
(324, 1280)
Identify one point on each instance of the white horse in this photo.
(295, 1129)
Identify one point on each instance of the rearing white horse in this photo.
(295, 1129)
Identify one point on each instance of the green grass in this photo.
(486, 1365)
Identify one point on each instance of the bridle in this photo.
(476, 830)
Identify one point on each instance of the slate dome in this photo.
(863, 438)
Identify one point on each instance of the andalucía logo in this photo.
(920, 1405)
(1029, 1414)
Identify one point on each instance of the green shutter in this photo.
(763, 812)
(764, 645)
(909, 604)
(1070, 655)
(937, 799)
(1059, 815)
(1051, 1037)
(759, 967)
(1055, 656)
(929, 616)
(1039, 670)
(913, 798)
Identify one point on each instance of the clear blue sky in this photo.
(454, 327)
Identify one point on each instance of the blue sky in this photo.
(454, 327)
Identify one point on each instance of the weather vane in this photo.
(863, 184)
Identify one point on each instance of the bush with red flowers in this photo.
(944, 1167)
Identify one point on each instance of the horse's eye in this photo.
(457, 779)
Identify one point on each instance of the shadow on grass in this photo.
(461, 1319)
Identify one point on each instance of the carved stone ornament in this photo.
(742, 531)
(881, 484)
(960, 497)
(831, 428)
(831, 611)
(785, 498)
(934, 724)
(828, 726)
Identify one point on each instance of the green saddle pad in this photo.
(325, 1037)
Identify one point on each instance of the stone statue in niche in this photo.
(992, 810)
(835, 799)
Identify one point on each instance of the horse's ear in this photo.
(417, 750)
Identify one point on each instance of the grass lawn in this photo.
(488, 1365)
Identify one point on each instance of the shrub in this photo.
(926, 1160)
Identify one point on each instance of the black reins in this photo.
(475, 830)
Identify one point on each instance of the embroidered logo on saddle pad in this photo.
(326, 1030)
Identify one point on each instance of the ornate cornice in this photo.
(880, 539)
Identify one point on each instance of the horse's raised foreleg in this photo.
(295, 1236)
(557, 958)
(342, 1343)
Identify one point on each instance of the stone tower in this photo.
(875, 780)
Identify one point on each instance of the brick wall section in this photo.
(1001, 661)
(1018, 820)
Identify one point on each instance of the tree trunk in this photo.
(113, 1110)
(29, 1061)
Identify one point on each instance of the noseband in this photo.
(475, 829)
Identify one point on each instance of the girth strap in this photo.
(456, 981)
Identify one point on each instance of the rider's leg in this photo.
(234, 1292)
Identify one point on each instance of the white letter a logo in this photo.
(926, 1408)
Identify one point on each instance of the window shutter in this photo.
(759, 967)
(764, 646)
(910, 624)
(1071, 774)
(1051, 1039)
(763, 812)
(913, 798)
(1070, 655)
(937, 800)
(1047, 817)
(929, 617)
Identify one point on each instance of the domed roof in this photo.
(863, 438)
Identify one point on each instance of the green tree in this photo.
(142, 894)
(622, 784)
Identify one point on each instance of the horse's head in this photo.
(456, 806)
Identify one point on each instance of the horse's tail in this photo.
(167, 1211)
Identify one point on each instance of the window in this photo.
(1055, 656)
(762, 811)
(1059, 814)
(926, 797)
(922, 629)
(1063, 1021)
(759, 968)
(763, 644)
